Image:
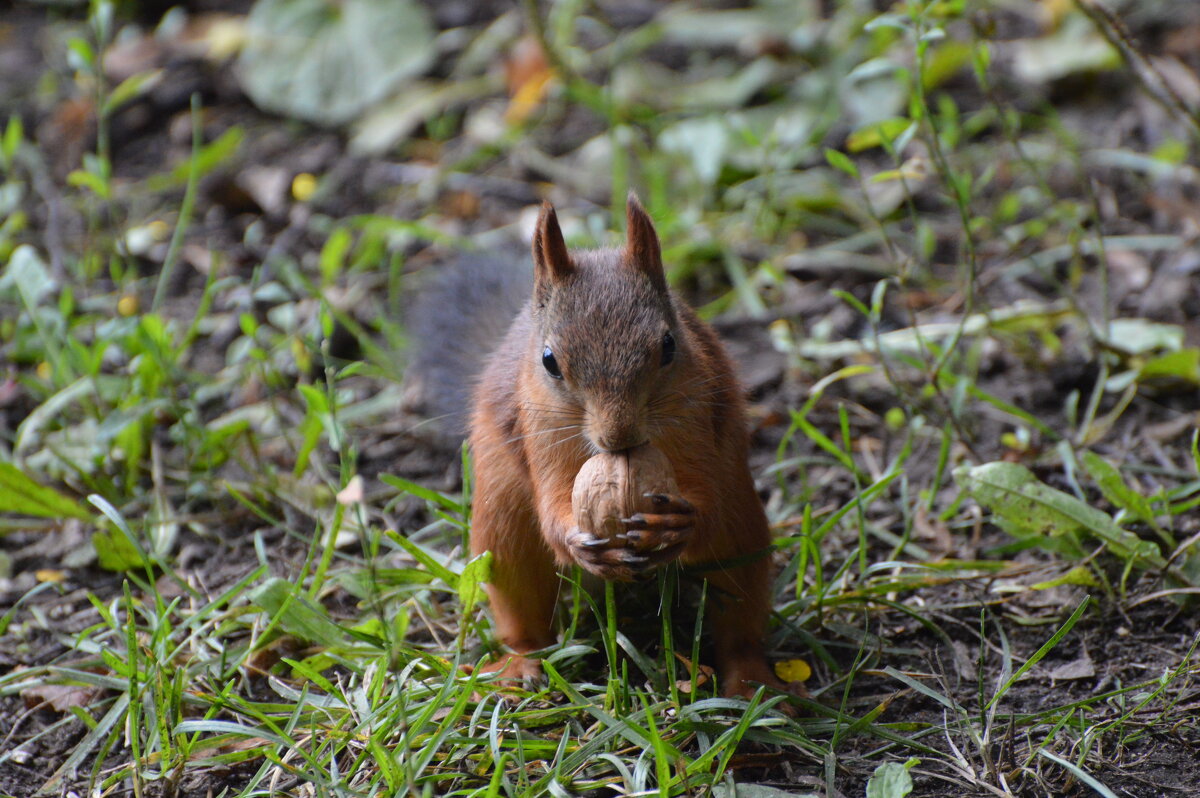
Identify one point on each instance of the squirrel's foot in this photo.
(741, 677)
(515, 669)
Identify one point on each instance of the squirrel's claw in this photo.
(656, 521)
(610, 559)
(653, 536)
(663, 503)
(662, 531)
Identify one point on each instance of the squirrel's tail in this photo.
(455, 323)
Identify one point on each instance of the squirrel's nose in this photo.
(613, 441)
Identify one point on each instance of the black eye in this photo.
(668, 349)
(551, 364)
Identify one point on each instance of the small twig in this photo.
(1115, 33)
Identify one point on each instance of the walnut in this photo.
(612, 486)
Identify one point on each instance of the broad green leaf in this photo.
(1028, 508)
(1181, 366)
(891, 780)
(1112, 485)
(115, 551)
(297, 615)
(1142, 336)
(27, 275)
(944, 61)
(325, 61)
(117, 548)
(1074, 48)
(20, 494)
(705, 141)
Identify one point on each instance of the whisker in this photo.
(547, 431)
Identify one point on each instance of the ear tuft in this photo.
(642, 249)
(551, 260)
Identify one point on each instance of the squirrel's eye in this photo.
(551, 364)
(668, 349)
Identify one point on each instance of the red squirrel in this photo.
(605, 357)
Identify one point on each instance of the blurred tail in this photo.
(454, 324)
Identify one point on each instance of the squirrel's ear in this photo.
(551, 261)
(642, 249)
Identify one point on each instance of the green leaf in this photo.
(841, 162)
(1183, 366)
(1040, 654)
(90, 180)
(20, 494)
(117, 547)
(944, 62)
(333, 254)
(326, 62)
(14, 134)
(1112, 485)
(422, 492)
(28, 276)
(891, 780)
(315, 418)
(297, 614)
(1027, 508)
(1079, 575)
(209, 157)
(1143, 337)
(115, 551)
(876, 134)
(84, 55)
(706, 141)
(129, 88)
(470, 581)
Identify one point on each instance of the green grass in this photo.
(340, 652)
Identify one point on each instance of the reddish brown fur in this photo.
(603, 313)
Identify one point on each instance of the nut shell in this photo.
(612, 486)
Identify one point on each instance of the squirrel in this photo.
(604, 357)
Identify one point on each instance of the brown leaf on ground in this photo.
(527, 73)
(60, 697)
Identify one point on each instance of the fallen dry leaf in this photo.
(60, 697)
(528, 75)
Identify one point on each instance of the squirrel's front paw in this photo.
(651, 538)
(661, 532)
(608, 558)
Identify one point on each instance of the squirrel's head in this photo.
(608, 338)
